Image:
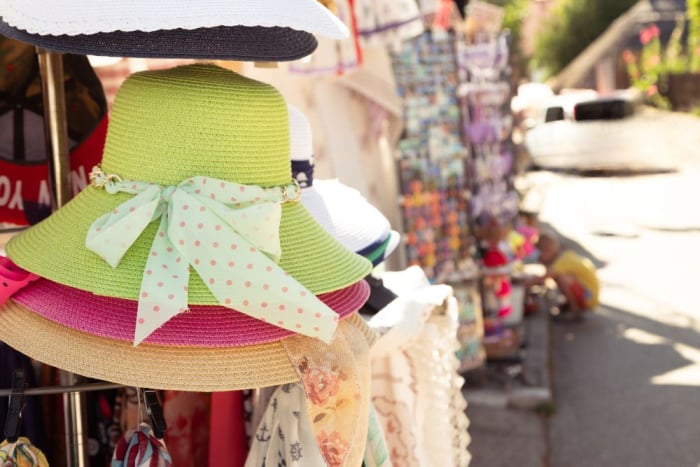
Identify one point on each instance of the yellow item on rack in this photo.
(21, 453)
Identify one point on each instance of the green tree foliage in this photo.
(572, 27)
(693, 12)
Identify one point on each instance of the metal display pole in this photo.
(53, 390)
(51, 66)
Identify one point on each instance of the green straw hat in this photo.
(168, 126)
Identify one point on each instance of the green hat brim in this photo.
(55, 249)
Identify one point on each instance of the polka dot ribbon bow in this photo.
(228, 232)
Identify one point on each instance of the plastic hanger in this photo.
(154, 409)
(13, 423)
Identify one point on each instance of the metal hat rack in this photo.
(71, 386)
(56, 128)
(56, 136)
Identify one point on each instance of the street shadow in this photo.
(625, 391)
(671, 229)
(687, 335)
(608, 172)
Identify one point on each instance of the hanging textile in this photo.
(21, 453)
(333, 57)
(104, 427)
(415, 385)
(323, 420)
(187, 415)
(388, 22)
(377, 451)
(284, 435)
(140, 448)
(228, 446)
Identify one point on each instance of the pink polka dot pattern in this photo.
(193, 223)
(165, 294)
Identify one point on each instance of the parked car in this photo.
(586, 131)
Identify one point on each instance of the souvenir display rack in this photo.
(485, 96)
(432, 155)
(434, 177)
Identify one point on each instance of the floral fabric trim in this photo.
(336, 381)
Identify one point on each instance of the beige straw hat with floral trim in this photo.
(152, 366)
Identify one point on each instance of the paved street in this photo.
(627, 381)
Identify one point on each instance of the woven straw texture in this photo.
(167, 126)
(361, 325)
(243, 43)
(345, 214)
(55, 17)
(300, 136)
(203, 326)
(342, 211)
(152, 366)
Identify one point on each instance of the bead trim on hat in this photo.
(228, 232)
(99, 179)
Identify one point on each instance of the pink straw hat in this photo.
(202, 326)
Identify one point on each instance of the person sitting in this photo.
(575, 276)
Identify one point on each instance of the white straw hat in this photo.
(342, 211)
(234, 29)
(72, 17)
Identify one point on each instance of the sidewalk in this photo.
(504, 437)
(505, 421)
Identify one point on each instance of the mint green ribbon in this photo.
(228, 232)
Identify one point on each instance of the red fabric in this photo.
(354, 32)
(187, 437)
(494, 258)
(579, 293)
(228, 446)
(444, 15)
(25, 183)
(140, 448)
(502, 292)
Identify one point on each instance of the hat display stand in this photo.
(57, 149)
(51, 71)
(74, 404)
(51, 67)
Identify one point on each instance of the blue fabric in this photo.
(374, 246)
(303, 172)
